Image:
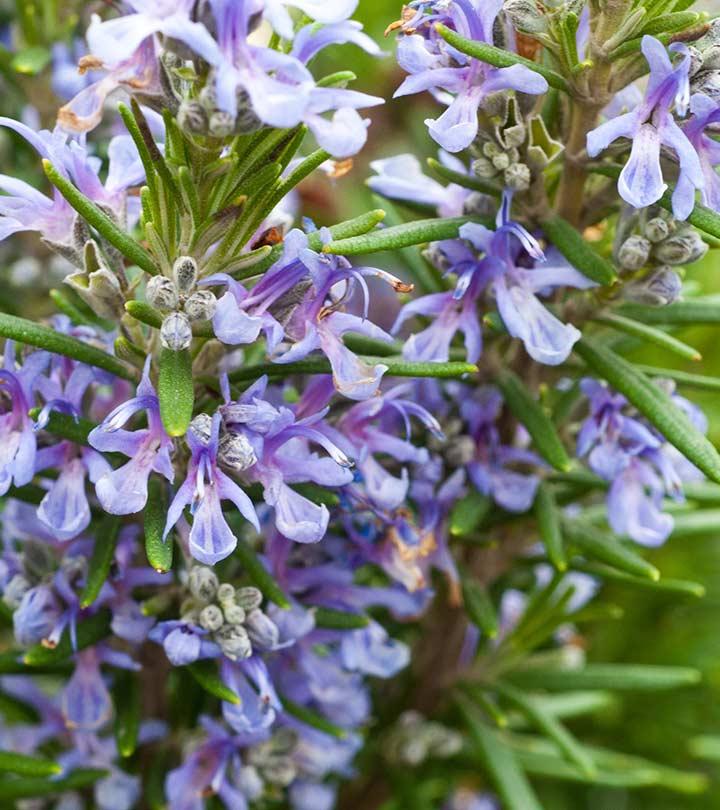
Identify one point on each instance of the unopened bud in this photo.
(203, 583)
(501, 161)
(262, 629)
(484, 168)
(634, 252)
(479, 204)
(236, 452)
(234, 641)
(211, 618)
(175, 332)
(200, 306)
(526, 16)
(657, 229)
(201, 426)
(161, 293)
(185, 274)
(233, 613)
(15, 590)
(460, 451)
(681, 248)
(226, 594)
(249, 598)
(208, 97)
(518, 177)
(192, 118)
(279, 771)
(221, 124)
(657, 290)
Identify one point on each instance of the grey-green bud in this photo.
(236, 452)
(226, 593)
(681, 248)
(657, 229)
(262, 629)
(192, 118)
(234, 641)
(248, 597)
(234, 614)
(201, 426)
(518, 177)
(634, 252)
(484, 168)
(221, 124)
(175, 332)
(460, 450)
(211, 618)
(161, 293)
(657, 290)
(201, 305)
(15, 590)
(501, 161)
(526, 16)
(203, 583)
(185, 274)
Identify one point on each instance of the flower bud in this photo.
(236, 452)
(233, 613)
(208, 97)
(226, 593)
(201, 426)
(203, 583)
(657, 229)
(249, 598)
(526, 16)
(211, 618)
(681, 248)
(161, 293)
(484, 168)
(460, 451)
(634, 252)
(185, 274)
(501, 161)
(200, 306)
(518, 177)
(479, 204)
(221, 124)
(15, 590)
(234, 641)
(279, 771)
(192, 118)
(658, 289)
(175, 332)
(262, 629)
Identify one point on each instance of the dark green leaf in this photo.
(578, 252)
(103, 554)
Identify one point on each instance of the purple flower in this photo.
(318, 322)
(371, 430)
(434, 65)
(86, 702)
(650, 126)
(640, 465)
(282, 456)
(124, 491)
(491, 469)
(705, 116)
(289, 96)
(183, 642)
(205, 486)
(493, 262)
(402, 178)
(26, 209)
(65, 509)
(18, 445)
